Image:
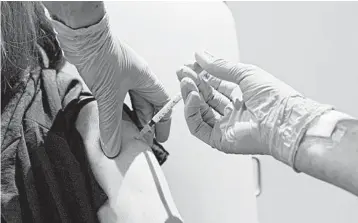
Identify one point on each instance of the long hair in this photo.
(24, 27)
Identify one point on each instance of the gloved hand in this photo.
(271, 117)
(111, 69)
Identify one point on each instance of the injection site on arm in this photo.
(112, 69)
(162, 113)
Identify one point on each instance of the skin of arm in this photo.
(76, 14)
(134, 182)
(333, 158)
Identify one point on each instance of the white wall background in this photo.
(207, 186)
(313, 46)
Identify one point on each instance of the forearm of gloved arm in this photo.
(315, 139)
(332, 157)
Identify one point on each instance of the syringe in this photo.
(162, 112)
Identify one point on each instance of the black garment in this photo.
(158, 150)
(46, 176)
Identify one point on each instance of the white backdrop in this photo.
(313, 46)
(207, 186)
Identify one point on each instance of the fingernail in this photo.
(208, 55)
(204, 55)
(180, 70)
(204, 75)
(228, 109)
(187, 85)
(190, 64)
(180, 73)
(237, 104)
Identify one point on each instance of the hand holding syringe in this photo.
(162, 112)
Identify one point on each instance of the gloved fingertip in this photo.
(179, 73)
(238, 103)
(193, 99)
(204, 86)
(207, 54)
(188, 72)
(217, 67)
(187, 85)
(162, 130)
(204, 58)
(190, 64)
(205, 76)
(228, 109)
(195, 67)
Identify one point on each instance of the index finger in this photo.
(227, 88)
(192, 100)
(224, 69)
(152, 90)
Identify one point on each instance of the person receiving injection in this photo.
(123, 170)
(271, 119)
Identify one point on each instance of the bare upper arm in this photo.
(134, 182)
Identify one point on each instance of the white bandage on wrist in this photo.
(324, 125)
(289, 122)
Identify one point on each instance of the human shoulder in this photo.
(57, 90)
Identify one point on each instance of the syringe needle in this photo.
(162, 112)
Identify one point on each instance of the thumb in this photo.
(192, 104)
(241, 139)
(220, 68)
